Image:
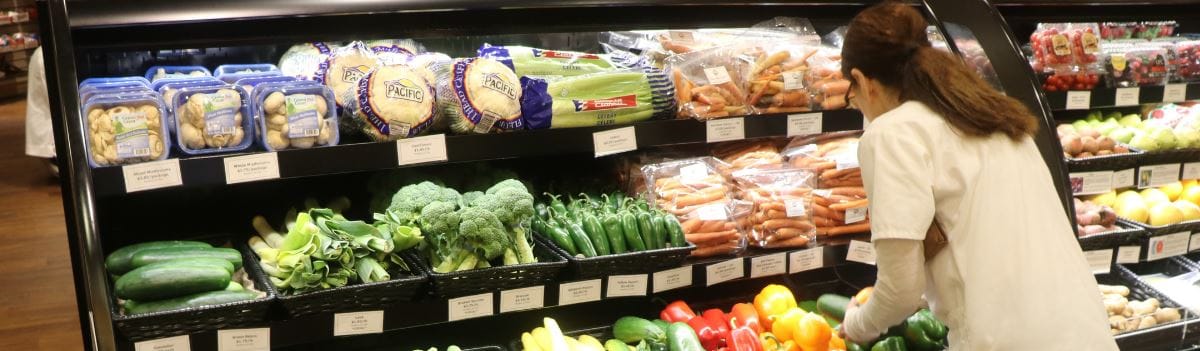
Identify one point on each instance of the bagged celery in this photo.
(605, 98)
(527, 61)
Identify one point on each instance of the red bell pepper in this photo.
(717, 318)
(709, 336)
(744, 339)
(744, 315)
(677, 311)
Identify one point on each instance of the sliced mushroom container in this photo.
(295, 115)
(125, 129)
(212, 119)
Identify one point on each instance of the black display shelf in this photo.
(210, 170)
(1106, 97)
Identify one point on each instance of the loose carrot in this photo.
(848, 229)
(848, 205)
(825, 222)
(797, 241)
(735, 93)
(708, 238)
(776, 215)
(787, 223)
(691, 225)
(772, 60)
(699, 198)
(786, 233)
(711, 226)
(719, 249)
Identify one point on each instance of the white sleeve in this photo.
(897, 171)
(39, 130)
(898, 289)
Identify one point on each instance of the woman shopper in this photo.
(963, 208)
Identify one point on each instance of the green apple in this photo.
(1165, 137)
(1187, 137)
(1142, 140)
(1113, 115)
(1123, 135)
(1108, 126)
(1131, 120)
(1080, 124)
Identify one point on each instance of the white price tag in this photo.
(249, 168)
(1088, 183)
(429, 148)
(795, 207)
(855, 215)
(614, 141)
(1157, 175)
(1191, 171)
(522, 299)
(692, 173)
(793, 80)
(255, 339)
(1099, 260)
(578, 292)
(473, 306)
(717, 75)
(726, 129)
(1127, 96)
(804, 124)
(1128, 254)
(1123, 179)
(627, 285)
(725, 271)
(174, 343)
(152, 175)
(806, 260)
(1161, 247)
(1079, 100)
(714, 212)
(356, 323)
(1194, 244)
(681, 35)
(861, 251)
(769, 265)
(672, 279)
(1175, 92)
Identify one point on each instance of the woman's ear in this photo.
(863, 82)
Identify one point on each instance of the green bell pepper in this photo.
(855, 347)
(891, 343)
(924, 332)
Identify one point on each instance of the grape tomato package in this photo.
(1188, 60)
(695, 192)
(710, 83)
(781, 206)
(1057, 44)
(212, 119)
(295, 115)
(394, 102)
(125, 130)
(1141, 65)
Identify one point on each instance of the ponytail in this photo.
(887, 42)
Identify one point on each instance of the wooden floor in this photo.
(37, 295)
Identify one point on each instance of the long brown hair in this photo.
(887, 42)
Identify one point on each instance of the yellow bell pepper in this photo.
(785, 324)
(864, 295)
(813, 333)
(770, 342)
(773, 301)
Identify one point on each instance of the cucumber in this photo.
(197, 261)
(149, 256)
(616, 345)
(235, 286)
(165, 281)
(833, 305)
(633, 329)
(189, 301)
(118, 262)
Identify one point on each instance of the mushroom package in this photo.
(125, 131)
(296, 115)
(210, 119)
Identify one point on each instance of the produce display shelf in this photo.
(346, 158)
(1101, 97)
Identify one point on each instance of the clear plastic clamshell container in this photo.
(212, 119)
(172, 85)
(125, 129)
(88, 92)
(295, 115)
(234, 77)
(245, 68)
(159, 72)
(104, 80)
(248, 84)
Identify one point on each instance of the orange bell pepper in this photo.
(772, 301)
(784, 326)
(813, 333)
(864, 295)
(836, 343)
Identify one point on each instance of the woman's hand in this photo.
(851, 308)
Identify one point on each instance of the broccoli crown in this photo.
(483, 232)
(508, 183)
(413, 198)
(440, 217)
(511, 206)
(469, 197)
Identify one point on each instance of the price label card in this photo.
(1168, 245)
(805, 260)
(717, 75)
(715, 212)
(256, 339)
(627, 285)
(1128, 254)
(1194, 244)
(1151, 176)
(681, 35)
(1099, 260)
(726, 129)
(174, 343)
(1175, 93)
(249, 168)
(793, 80)
(579, 292)
(794, 207)
(614, 141)
(473, 306)
(356, 323)
(725, 271)
(804, 124)
(672, 279)
(862, 252)
(1127, 96)
(522, 299)
(694, 172)
(1079, 100)
(1123, 179)
(855, 215)
(1088, 183)
(429, 148)
(152, 175)
(769, 265)
(1191, 171)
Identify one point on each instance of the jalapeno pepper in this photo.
(645, 223)
(674, 231)
(579, 237)
(616, 235)
(633, 236)
(660, 230)
(595, 232)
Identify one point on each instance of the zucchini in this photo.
(165, 281)
(149, 256)
(833, 306)
(199, 261)
(189, 301)
(118, 262)
(633, 329)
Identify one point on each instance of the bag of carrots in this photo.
(825, 81)
(840, 203)
(840, 211)
(710, 83)
(778, 76)
(781, 201)
(743, 154)
(702, 199)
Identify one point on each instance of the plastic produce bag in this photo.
(479, 95)
(781, 200)
(304, 61)
(777, 76)
(394, 102)
(527, 61)
(825, 81)
(604, 98)
(743, 154)
(710, 83)
(701, 198)
(344, 68)
(840, 204)
(394, 51)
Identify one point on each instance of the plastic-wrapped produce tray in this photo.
(645, 261)
(1127, 234)
(357, 297)
(1105, 163)
(156, 325)
(474, 281)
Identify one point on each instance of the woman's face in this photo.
(869, 96)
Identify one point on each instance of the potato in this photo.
(1147, 322)
(1120, 149)
(1106, 143)
(1094, 229)
(1166, 315)
(1090, 145)
(1103, 152)
(1071, 144)
(1084, 154)
(1119, 290)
